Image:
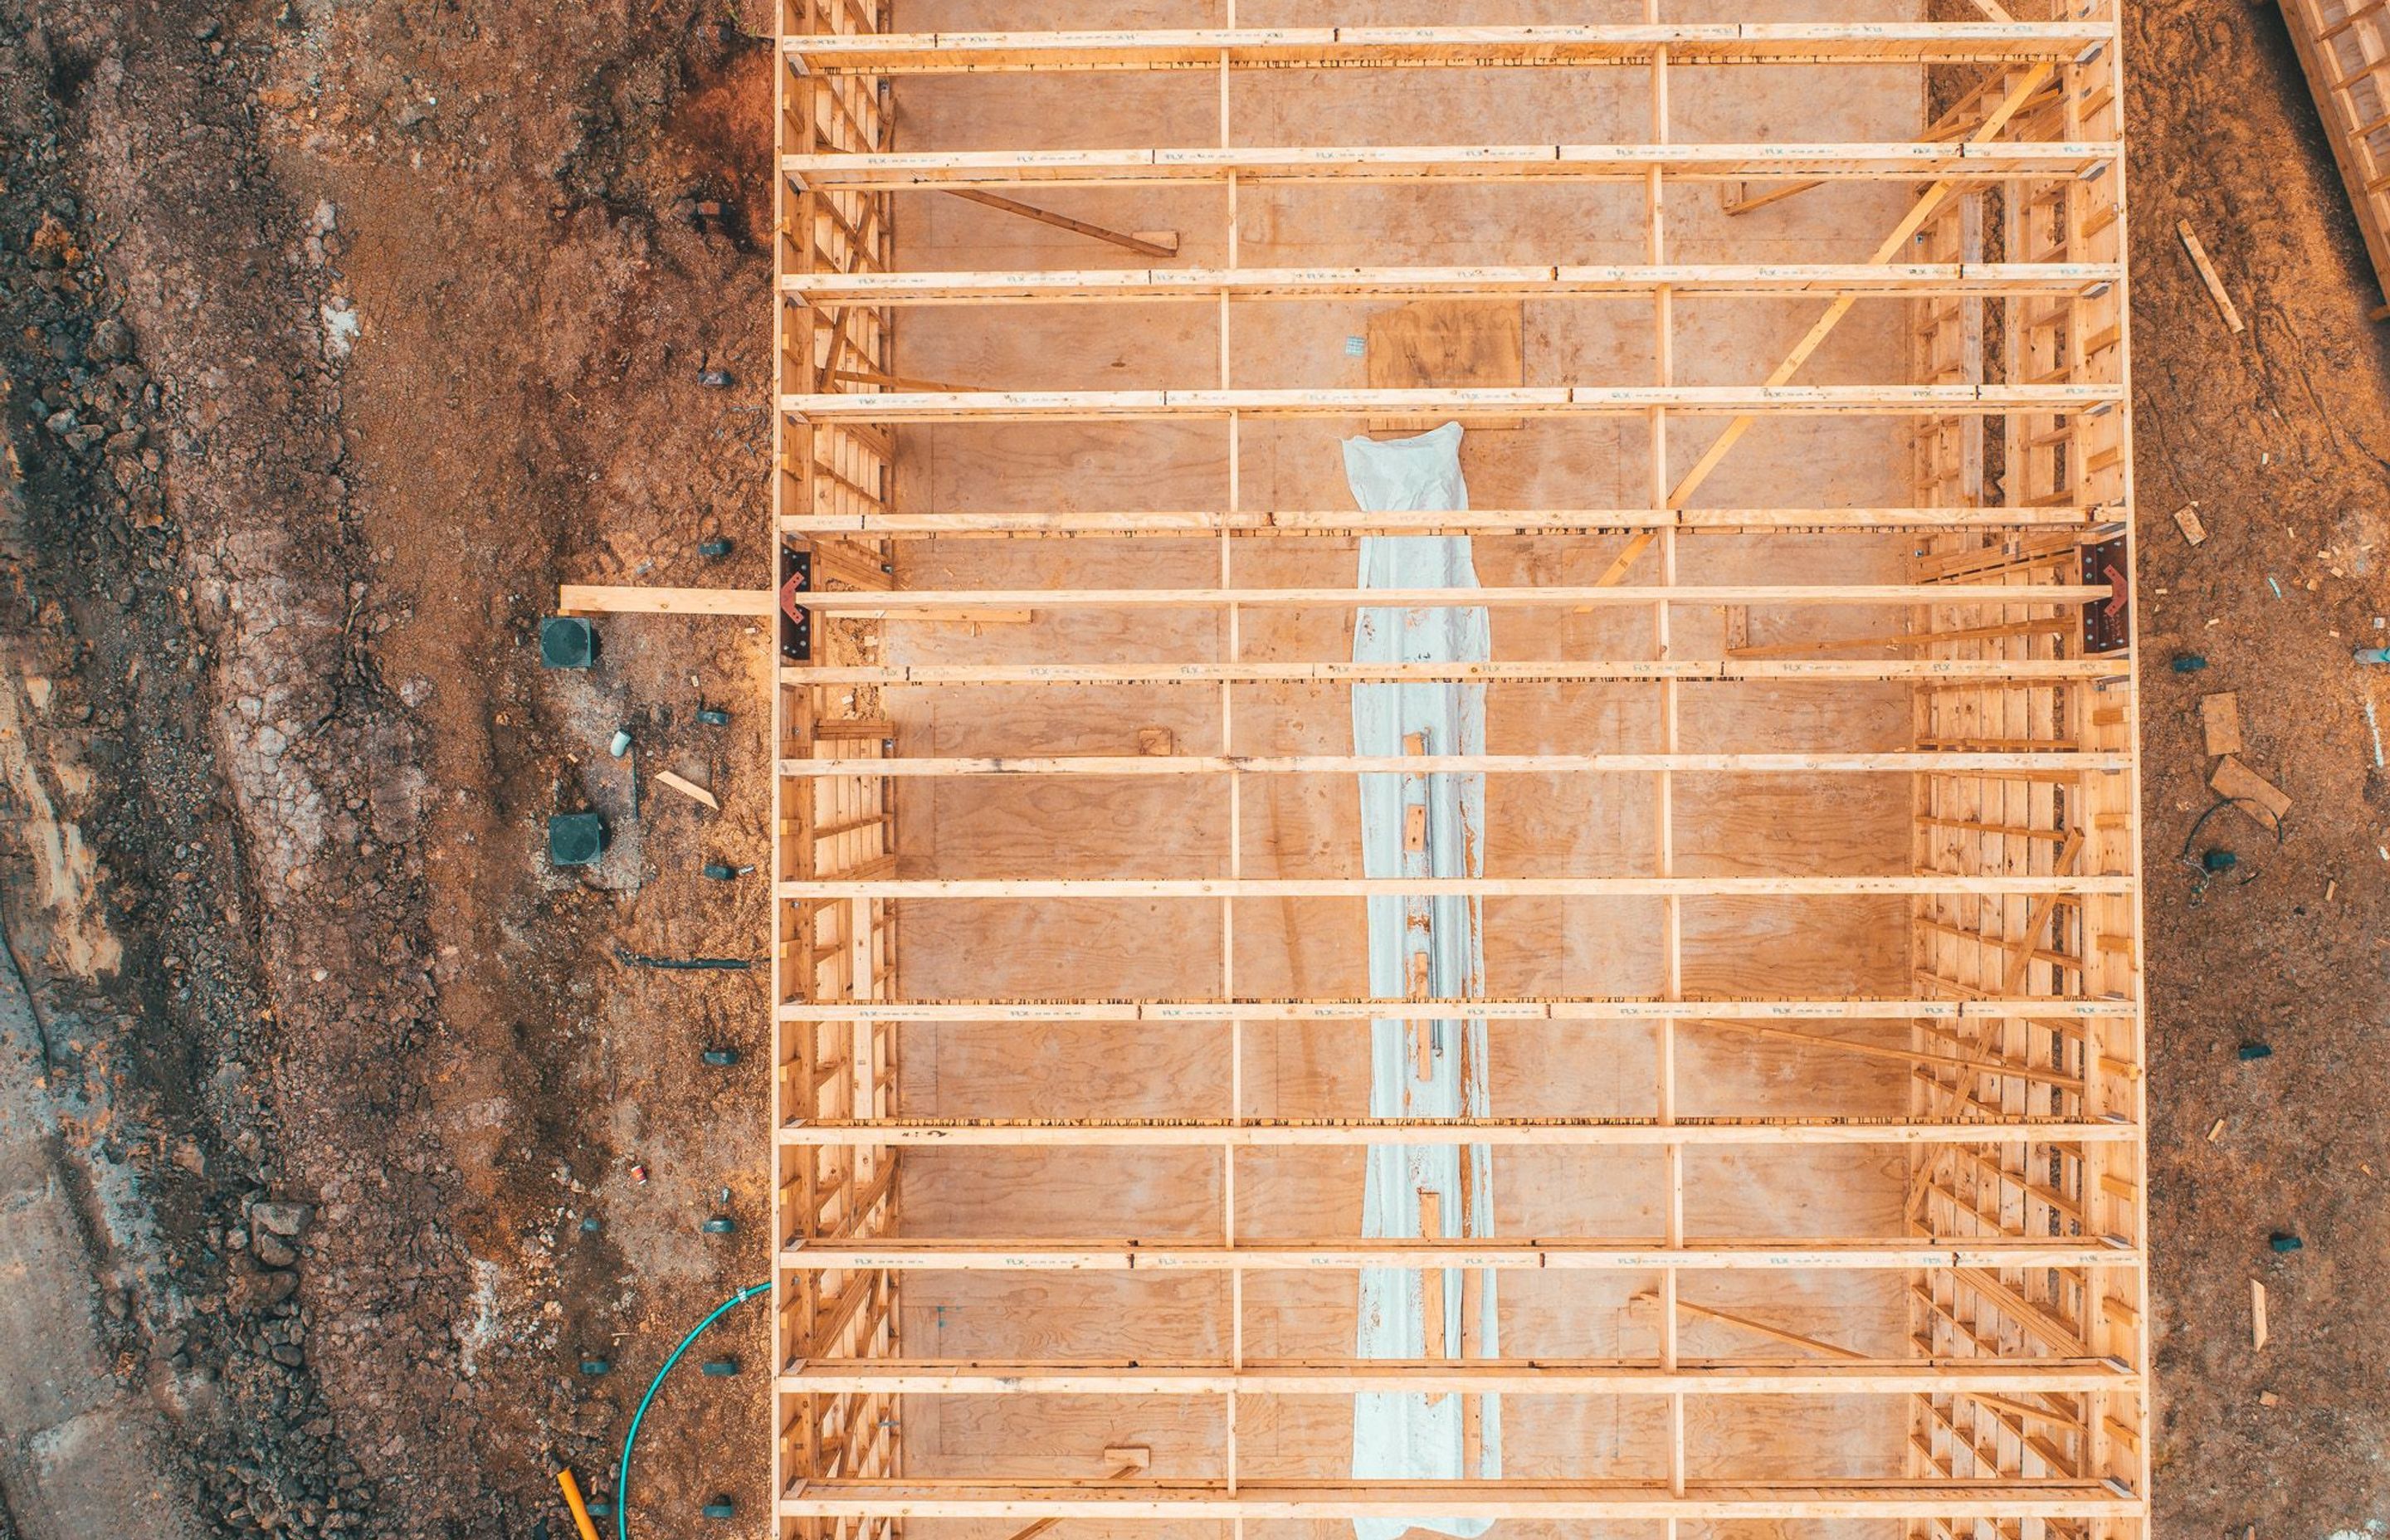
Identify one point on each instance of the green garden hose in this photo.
(622, 1471)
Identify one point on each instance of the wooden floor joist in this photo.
(1348, 1254)
(1194, 285)
(1614, 1501)
(1475, 47)
(1479, 163)
(1802, 885)
(1552, 1132)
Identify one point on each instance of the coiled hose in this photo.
(622, 1471)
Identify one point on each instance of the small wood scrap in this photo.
(1156, 740)
(1447, 344)
(2224, 305)
(2257, 1314)
(2214, 1131)
(2186, 519)
(2268, 1398)
(2249, 791)
(2219, 720)
(689, 788)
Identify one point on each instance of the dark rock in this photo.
(110, 340)
(283, 1219)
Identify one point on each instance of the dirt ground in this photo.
(337, 331)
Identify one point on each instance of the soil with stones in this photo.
(336, 332)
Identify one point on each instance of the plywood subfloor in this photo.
(1577, 824)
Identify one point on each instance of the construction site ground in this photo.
(338, 1142)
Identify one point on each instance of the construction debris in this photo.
(2186, 519)
(689, 788)
(2224, 305)
(2256, 1314)
(2249, 791)
(2219, 720)
(678, 964)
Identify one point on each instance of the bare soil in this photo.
(391, 315)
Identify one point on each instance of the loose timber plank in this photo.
(585, 598)
(899, 53)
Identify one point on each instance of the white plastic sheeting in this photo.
(1434, 943)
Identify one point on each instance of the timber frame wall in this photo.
(2028, 1370)
(2344, 48)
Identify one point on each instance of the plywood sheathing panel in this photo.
(1712, 826)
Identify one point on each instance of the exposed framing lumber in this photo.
(1992, 162)
(1338, 522)
(1261, 1133)
(1616, 1501)
(2019, 1041)
(1556, 1254)
(1478, 1376)
(1447, 47)
(1198, 285)
(1577, 400)
(2067, 765)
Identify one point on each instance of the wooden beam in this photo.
(1564, 46)
(1437, 1374)
(1535, 401)
(582, 599)
(896, 602)
(1972, 671)
(1807, 885)
(1583, 1133)
(1903, 762)
(1583, 1008)
(1182, 523)
(1208, 285)
(930, 170)
(1349, 1254)
(1614, 1500)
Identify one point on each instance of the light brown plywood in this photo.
(1810, 891)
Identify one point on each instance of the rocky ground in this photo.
(333, 330)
